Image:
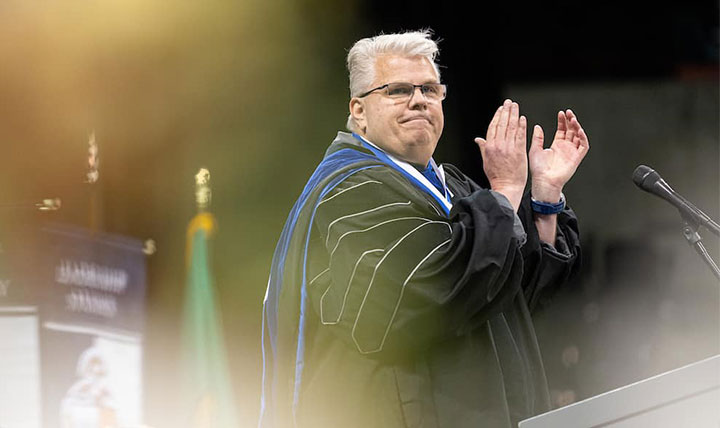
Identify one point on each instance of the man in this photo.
(400, 290)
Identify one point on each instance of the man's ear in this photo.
(357, 111)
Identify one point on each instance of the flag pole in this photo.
(209, 393)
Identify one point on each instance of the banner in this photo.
(78, 297)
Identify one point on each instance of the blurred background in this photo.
(254, 91)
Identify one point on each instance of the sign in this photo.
(79, 297)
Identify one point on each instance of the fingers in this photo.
(569, 129)
(508, 122)
(570, 115)
(573, 126)
(502, 125)
(561, 126)
(583, 142)
(521, 134)
(538, 138)
(513, 122)
(583, 145)
(492, 128)
(578, 137)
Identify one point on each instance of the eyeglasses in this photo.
(404, 91)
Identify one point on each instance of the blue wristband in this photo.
(547, 207)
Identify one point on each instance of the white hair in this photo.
(364, 53)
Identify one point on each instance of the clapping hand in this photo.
(551, 168)
(504, 152)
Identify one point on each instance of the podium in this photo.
(685, 397)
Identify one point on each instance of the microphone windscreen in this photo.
(644, 177)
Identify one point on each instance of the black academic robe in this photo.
(419, 319)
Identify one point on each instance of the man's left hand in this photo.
(551, 168)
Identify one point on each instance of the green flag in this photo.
(207, 384)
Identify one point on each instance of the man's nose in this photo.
(418, 100)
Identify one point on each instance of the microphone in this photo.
(650, 181)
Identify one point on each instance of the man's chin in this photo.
(419, 150)
(419, 138)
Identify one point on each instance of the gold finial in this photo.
(93, 173)
(203, 194)
(49, 204)
(149, 248)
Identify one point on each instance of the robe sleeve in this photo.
(390, 275)
(546, 268)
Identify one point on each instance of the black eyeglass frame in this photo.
(442, 85)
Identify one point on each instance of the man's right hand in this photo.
(504, 153)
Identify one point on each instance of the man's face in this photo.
(408, 129)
